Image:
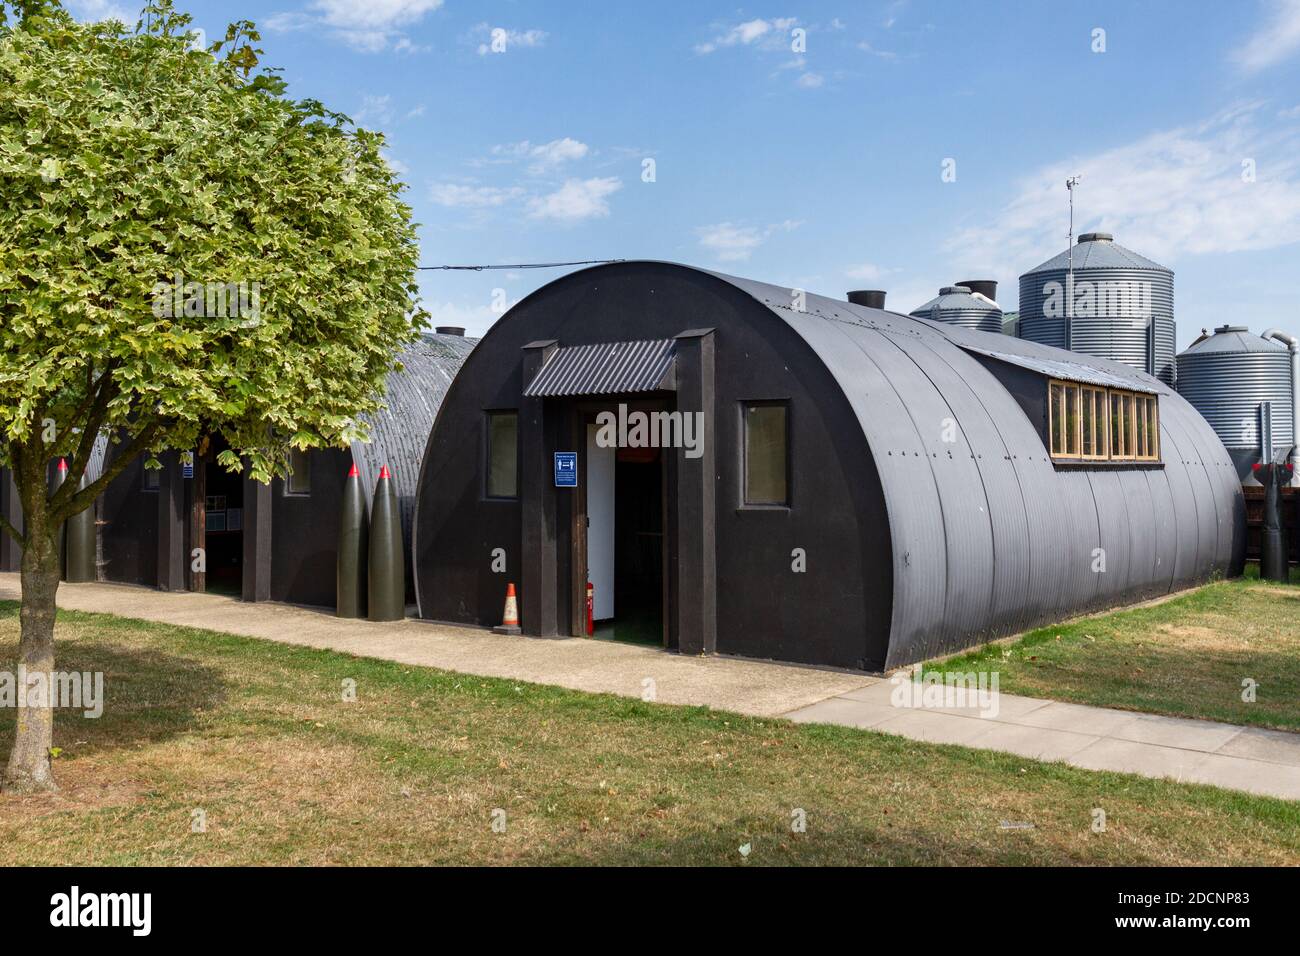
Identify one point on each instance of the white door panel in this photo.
(600, 527)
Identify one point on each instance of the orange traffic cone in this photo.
(510, 620)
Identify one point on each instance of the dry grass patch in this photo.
(1190, 657)
(258, 737)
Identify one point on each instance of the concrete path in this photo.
(1096, 738)
(748, 687)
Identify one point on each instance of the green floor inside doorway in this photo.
(632, 628)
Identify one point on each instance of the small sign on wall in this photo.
(187, 464)
(566, 469)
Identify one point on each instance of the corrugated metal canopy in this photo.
(607, 368)
(1061, 368)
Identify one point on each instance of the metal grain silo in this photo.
(964, 306)
(1121, 306)
(1226, 377)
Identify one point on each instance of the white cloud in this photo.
(381, 15)
(866, 47)
(730, 243)
(502, 39)
(95, 11)
(576, 200)
(868, 272)
(733, 243)
(370, 26)
(375, 111)
(1171, 193)
(543, 156)
(476, 197)
(810, 81)
(765, 33)
(1274, 41)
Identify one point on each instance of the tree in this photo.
(184, 250)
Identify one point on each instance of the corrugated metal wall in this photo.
(990, 537)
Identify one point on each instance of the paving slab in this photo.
(1037, 742)
(844, 711)
(1080, 718)
(933, 727)
(1269, 746)
(1177, 732)
(1149, 760)
(1253, 776)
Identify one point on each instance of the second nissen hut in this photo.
(752, 470)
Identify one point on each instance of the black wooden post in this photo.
(171, 524)
(257, 540)
(694, 534)
(538, 585)
(11, 556)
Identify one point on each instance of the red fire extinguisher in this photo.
(591, 609)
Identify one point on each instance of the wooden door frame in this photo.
(581, 414)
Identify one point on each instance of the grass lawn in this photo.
(1186, 657)
(257, 736)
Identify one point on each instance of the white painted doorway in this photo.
(600, 525)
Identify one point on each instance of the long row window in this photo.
(1089, 423)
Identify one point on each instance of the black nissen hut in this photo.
(748, 469)
(266, 542)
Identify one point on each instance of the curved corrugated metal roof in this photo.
(992, 537)
(1235, 340)
(1100, 253)
(398, 433)
(958, 305)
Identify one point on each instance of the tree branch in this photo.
(81, 458)
(10, 530)
(86, 496)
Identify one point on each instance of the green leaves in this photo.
(135, 173)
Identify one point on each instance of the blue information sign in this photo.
(566, 469)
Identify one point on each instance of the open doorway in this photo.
(625, 539)
(223, 522)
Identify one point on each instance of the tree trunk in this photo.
(29, 763)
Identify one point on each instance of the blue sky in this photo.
(820, 168)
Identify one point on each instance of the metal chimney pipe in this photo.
(1293, 345)
(985, 287)
(871, 298)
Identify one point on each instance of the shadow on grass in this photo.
(148, 695)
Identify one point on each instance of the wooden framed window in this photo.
(1096, 424)
(502, 454)
(767, 453)
(1091, 423)
(1148, 448)
(298, 481)
(1066, 419)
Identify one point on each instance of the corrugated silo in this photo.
(964, 306)
(1226, 376)
(1121, 306)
